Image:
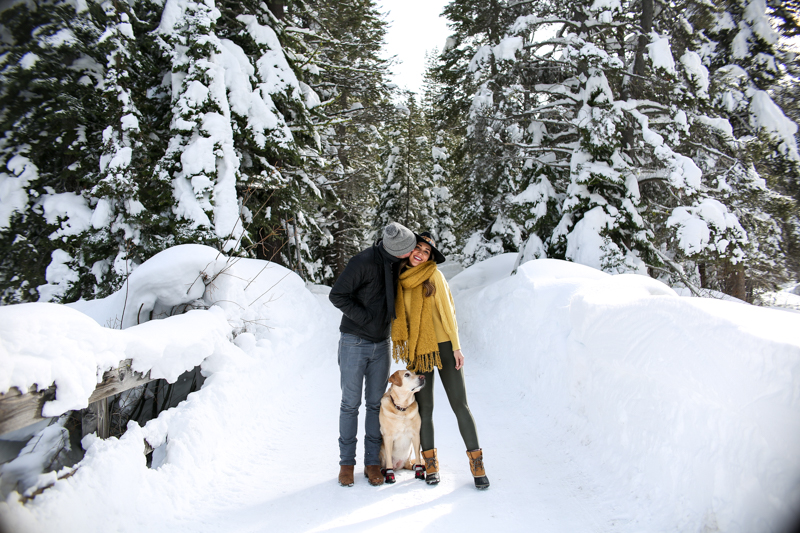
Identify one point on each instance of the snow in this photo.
(756, 15)
(603, 403)
(67, 210)
(63, 37)
(537, 194)
(766, 115)
(703, 226)
(588, 244)
(661, 54)
(605, 5)
(59, 275)
(740, 47)
(508, 48)
(129, 122)
(273, 67)
(721, 124)
(480, 57)
(33, 458)
(696, 71)
(13, 187)
(28, 60)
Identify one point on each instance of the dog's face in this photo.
(407, 380)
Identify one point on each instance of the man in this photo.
(365, 293)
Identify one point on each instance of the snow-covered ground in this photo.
(603, 403)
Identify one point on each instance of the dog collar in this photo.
(397, 406)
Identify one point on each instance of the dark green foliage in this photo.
(540, 145)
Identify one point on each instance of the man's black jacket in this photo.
(360, 293)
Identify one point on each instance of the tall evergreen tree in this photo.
(144, 125)
(52, 122)
(609, 169)
(407, 166)
(440, 199)
(352, 81)
(475, 78)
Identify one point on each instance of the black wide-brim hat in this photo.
(427, 238)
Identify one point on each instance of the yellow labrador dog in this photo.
(399, 417)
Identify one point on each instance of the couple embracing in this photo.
(393, 295)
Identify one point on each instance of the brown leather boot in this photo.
(373, 474)
(476, 466)
(431, 466)
(346, 475)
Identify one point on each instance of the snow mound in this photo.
(689, 404)
(67, 345)
(43, 344)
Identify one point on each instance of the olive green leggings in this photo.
(453, 382)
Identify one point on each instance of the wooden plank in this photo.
(19, 410)
(119, 380)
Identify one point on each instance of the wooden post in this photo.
(96, 418)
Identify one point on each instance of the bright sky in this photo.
(415, 27)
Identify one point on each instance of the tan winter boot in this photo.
(346, 475)
(431, 466)
(476, 465)
(373, 474)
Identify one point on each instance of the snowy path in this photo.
(283, 477)
(277, 471)
(603, 404)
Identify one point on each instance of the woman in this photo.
(425, 335)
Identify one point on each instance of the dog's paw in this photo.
(419, 472)
(388, 475)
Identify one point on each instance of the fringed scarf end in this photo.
(400, 351)
(425, 362)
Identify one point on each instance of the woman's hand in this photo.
(459, 359)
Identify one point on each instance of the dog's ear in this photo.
(395, 379)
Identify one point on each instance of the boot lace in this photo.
(477, 464)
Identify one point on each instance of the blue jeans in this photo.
(361, 361)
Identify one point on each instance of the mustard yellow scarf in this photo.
(413, 336)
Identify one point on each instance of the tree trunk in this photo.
(646, 28)
(633, 89)
(735, 281)
(277, 8)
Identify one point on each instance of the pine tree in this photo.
(353, 84)
(440, 198)
(51, 122)
(407, 164)
(749, 166)
(584, 137)
(479, 83)
(124, 213)
(144, 125)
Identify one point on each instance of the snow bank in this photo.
(689, 404)
(42, 344)
(169, 279)
(268, 306)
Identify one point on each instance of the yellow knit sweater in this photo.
(444, 312)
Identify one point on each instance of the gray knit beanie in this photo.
(398, 240)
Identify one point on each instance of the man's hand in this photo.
(459, 359)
